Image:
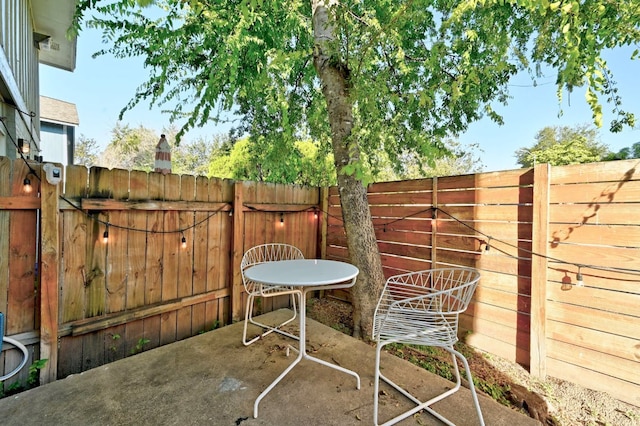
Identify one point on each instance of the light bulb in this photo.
(23, 146)
(184, 242)
(281, 219)
(105, 236)
(27, 185)
(579, 280)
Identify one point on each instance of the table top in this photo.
(303, 272)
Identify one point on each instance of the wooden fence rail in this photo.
(81, 303)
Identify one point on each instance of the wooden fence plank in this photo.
(116, 260)
(170, 277)
(613, 344)
(622, 389)
(238, 235)
(595, 214)
(49, 288)
(135, 277)
(153, 260)
(200, 244)
(607, 171)
(595, 319)
(76, 237)
(538, 349)
(185, 257)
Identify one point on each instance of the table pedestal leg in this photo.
(302, 354)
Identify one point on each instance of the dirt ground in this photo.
(552, 401)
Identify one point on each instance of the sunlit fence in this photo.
(558, 250)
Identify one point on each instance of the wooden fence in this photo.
(530, 232)
(80, 302)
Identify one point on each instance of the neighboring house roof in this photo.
(55, 110)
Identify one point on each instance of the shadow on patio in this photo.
(213, 379)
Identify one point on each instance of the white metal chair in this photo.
(17, 345)
(260, 254)
(422, 308)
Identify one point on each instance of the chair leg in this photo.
(269, 328)
(376, 385)
(247, 317)
(419, 404)
(472, 388)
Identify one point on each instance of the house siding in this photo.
(18, 78)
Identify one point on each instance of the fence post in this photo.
(237, 242)
(49, 296)
(539, 245)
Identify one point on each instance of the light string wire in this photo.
(108, 224)
(533, 253)
(433, 209)
(489, 238)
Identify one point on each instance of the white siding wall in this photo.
(19, 74)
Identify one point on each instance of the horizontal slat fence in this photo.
(541, 227)
(594, 331)
(528, 231)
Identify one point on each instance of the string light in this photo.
(105, 235)
(579, 280)
(487, 245)
(184, 241)
(24, 146)
(27, 185)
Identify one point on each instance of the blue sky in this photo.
(101, 87)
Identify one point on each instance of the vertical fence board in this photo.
(239, 235)
(153, 259)
(75, 273)
(74, 230)
(540, 231)
(185, 260)
(117, 261)
(199, 255)
(136, 273)
(96, 249)
(122, 341)
(215, 272)
(169, 323)
(50, 265)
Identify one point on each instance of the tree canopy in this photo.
(626, 153)
(562, 145)
(361, 77)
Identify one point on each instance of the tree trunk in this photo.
(361, 238)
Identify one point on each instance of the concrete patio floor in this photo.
(212, 379)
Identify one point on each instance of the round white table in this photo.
(309, 275)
